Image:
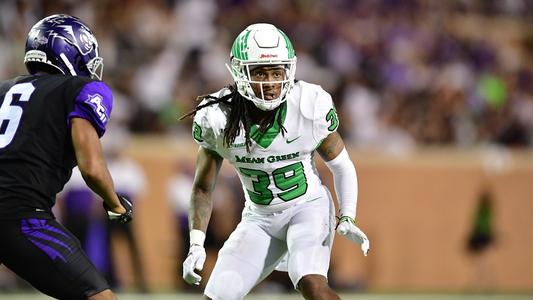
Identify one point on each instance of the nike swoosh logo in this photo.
(290, 141)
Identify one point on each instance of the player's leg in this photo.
(45, 254)
(309, 239)
(313, 286)
(247, 257)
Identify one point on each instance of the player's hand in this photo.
(194, 262)
(346, 227)
(122, 218)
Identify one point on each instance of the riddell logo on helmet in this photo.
(268, 55)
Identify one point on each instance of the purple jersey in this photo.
(94, 103)
(36, 151)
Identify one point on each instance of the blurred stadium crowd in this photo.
(403, 73)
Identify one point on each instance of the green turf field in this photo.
(295, 296)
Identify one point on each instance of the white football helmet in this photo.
(262, 44)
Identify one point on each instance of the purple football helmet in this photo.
(63, 44)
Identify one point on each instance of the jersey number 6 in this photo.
(10, 115)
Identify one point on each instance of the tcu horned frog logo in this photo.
(96, 102)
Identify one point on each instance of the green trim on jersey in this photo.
(265, 140)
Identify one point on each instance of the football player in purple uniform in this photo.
(51, 121)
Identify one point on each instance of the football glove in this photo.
(194, 262)
(346, 227)
(120, 218)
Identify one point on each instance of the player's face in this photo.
(267, 81)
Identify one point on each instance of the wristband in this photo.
(344, 218)
(197, 237)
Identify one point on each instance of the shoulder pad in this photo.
(313, 100)
(316, 105)
(209, 122)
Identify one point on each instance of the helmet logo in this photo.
(38, 41)
(268, 56)
(86, 40)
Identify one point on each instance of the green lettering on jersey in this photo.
(249, 160)
(197, 132)
(270, 159)
(332, 117)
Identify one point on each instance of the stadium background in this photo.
(436, 105)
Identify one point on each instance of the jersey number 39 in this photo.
(289, 179)
(10, 113)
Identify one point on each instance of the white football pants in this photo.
(304, 232)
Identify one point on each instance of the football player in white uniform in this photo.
(268, 127)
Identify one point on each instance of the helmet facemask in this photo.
(262, 45)
(242, 75)
(96, 67)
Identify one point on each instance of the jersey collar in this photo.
(265, 140)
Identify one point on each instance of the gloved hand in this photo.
(120, 218)
(346, 227)
(194, 261)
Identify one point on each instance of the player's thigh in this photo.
(248, 256)
(49, 257)
(310, 238)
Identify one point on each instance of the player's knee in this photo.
(103, 295)
(228, 285)
(315, 286)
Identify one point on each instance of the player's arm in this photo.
(92, 164)
(334, 153)
(88, 119)
(207, 167)
(331, 146)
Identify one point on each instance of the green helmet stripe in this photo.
(288, 44)
(240, 45)
(244, 45)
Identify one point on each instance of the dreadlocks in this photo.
(239, 113)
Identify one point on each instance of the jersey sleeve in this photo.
(93, 103)
(325, 120)
(202, 129)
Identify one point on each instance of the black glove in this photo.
(120, 218)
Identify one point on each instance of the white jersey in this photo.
(279, 171)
